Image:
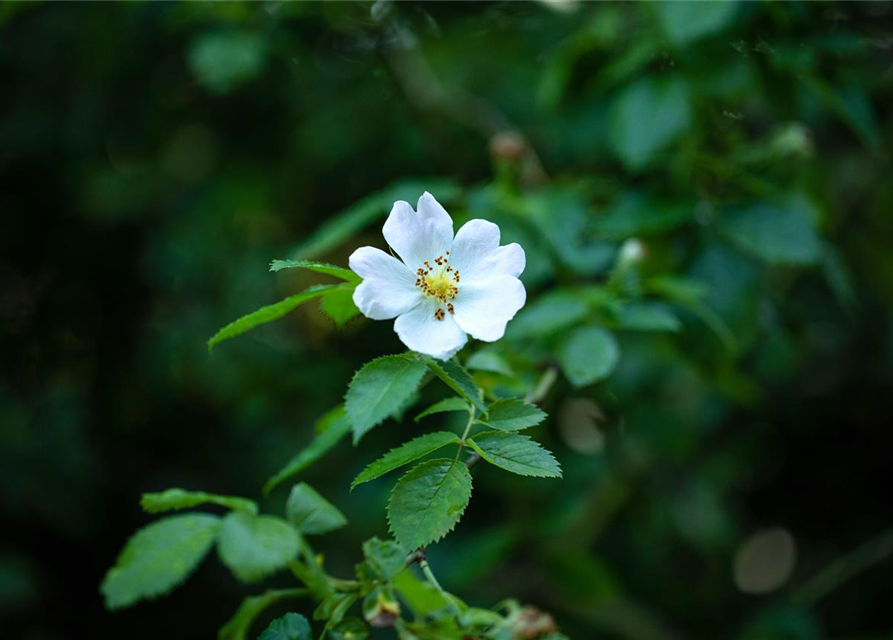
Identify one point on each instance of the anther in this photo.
(439, 314)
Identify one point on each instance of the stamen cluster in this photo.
(439, 281)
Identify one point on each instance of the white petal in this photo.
(476, 252)
(484, 306)
(421, 236)
(419, 330)
(388, 288)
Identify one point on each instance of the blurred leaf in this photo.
(267, 314)
(422, 597)
(646, 117)
(485, 360)
(385, 558)
(223, 60)
(319, 267)
(839, 278)
(174, 499)
(291, 626)
(333, 608)
(635, 214)
(685, 22)
(310, 513)
(239, 625)
(158, 558)
(457, 379)
(516, 453)
(445, 405)
(779, 233)
(254, 547)
(648, 316)
(338, 304)
(548, 314)
(351, 628)
(513, 414)
(379, 389)
(404, 454)
(589, 354)
(428, 501)
(335, 425)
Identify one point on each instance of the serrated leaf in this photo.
(512, 414)
(254, 547)
(404, 454)
(385, 558)
(428, 501)
(457, 379)
(448, 404)
(318, 267)
(310, 513)
(239, 625)
(175, 499)
(266, 314)
(379, 389)
(589, 354)
(159, 557)
(338, 304)
(291, 626)
(516, 453)
(488, 361)
(331, 428)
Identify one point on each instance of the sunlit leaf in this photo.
(254, 547)
(310, 513)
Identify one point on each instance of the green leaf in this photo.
(512, 414)
(648, 316)
(385, 558)
(778, 233)
(549, 314)
(404, 454)
(646, 118)
(239, 625)
(380, 389)
(588, 355)
(254, 547)
(448, 404)
(457, 379)
(222, 60)
(421, 596)
(266, 314)
(428, 501)
(318, 267)
(291, 626)
(159, 557)
(331, 428)
(338, 304)
(333, 608)
(174, 499)
(516, 453)
(634, 214)
(351, 628)
(310, 513)
(485, 360)
(685, 22)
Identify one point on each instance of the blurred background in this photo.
(730, 479)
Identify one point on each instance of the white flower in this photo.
(445, 287)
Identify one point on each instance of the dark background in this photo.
(154, 157)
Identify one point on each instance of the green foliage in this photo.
(444, 406)
(310, 513)
(254, 547)
(589, 354)
(428, 501)
(404, 454)
(338, 304)
(385, 558)
(331, 428)
(511, 414)
(222, 60)
(648, 316)
(291, 626)
(238, 627)
(782, 233)
(516, 453)
(638, 214)
(685, 22)
(159, 557)
(484, 360)
(319, 267)
(266, 314)
(458, 379)
(175, 499)
(547, 315)
(380, 389)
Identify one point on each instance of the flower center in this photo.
(440, 281)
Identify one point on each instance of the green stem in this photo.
(465, 433)
(426, 569)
